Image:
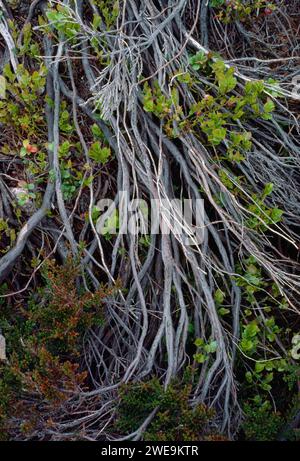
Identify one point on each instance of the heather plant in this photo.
(44, 339)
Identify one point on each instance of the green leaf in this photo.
(198, 60)
(63, 22)
(228, 84)
(97, 132)
(23, 152)
(252, 269)
(251, 330)
(98, 153)
(216, 3)
(2, 87)
(211, 347)
(148, 105)
(184, 78)
(191, 328)
(269, 106)
(254, 88)
(259, 366)
(95, 214)
(199, 342)
(64, 148)
(219, 296)
(249, 377)
(271, 337)
(268, 189)
(175, 97)
(266, 387)
(218, 135)
(223, 311)
(200, 358)
(269, 378)
(247, 345)
(252, 279)
(96, 21)
(276, 214)
(274, 88)
(111, 224)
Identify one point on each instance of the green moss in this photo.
(261, 422)
(175, 419)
